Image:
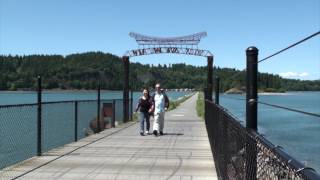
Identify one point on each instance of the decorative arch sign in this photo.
(173, 50)
(158, 45)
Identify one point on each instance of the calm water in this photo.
(25, 97)
(297, 133)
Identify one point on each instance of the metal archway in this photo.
(165, 45)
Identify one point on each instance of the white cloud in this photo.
(294, 75)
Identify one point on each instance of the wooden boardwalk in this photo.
(183, 152)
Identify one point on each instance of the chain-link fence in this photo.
(58, 120)
(18, 135)
(240, 153)
(86, 113)
(61, 123)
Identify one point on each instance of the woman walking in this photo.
(144, 105)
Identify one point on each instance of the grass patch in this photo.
(135, 117)
(200, 105)
(175, 104)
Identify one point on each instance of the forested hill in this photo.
(82, 71)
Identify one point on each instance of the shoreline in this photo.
(275, 93)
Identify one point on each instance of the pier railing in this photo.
(28, 130)
(240, 153)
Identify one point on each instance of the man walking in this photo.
(160, 105)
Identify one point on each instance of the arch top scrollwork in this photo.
(187, 45)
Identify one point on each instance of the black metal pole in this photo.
(76, 121)
(131, 105)
(251, 111)
(217, 90)
(98, 109)
(126, 88)
(209, 78)
(251, 88)
(113, 113)
(39, 145)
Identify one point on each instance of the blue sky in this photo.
(75, 26)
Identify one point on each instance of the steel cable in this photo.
(309, 37)
(280, 107)
(290, 109)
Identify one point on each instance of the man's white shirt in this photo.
(159, 102)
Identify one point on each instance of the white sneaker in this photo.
(147, 132)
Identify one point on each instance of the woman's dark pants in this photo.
(144, 116)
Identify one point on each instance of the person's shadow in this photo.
(173, 134)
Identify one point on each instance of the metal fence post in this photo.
(113, 113)
(251, 109)
(209, 78)
(39, 132)
(125, 60)
(76, 121)
(217, 90)
(98, 109)
(131, 105)
(251, 88)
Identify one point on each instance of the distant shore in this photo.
(274, 93)
(268, 91)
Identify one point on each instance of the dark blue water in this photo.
(298, 134)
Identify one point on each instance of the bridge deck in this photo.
(121, 153)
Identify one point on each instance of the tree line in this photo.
(86, 70)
